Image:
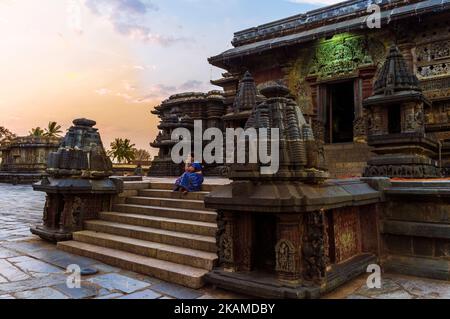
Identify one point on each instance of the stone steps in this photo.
(170, 186)
(172, 272)
(165, 193)
(177, 225)
(176, 213)
(154, 231)
(168, 202)
(193, 241)
(184, 256)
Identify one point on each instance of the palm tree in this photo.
(122, 150)
(142, 155)
(5, 134)
(53, 130)
(37, 132)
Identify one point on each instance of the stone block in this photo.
(398, 244)
(423, 246)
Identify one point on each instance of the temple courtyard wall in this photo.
(33, 269)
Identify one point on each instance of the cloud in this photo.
(103, 91)
(130, 18)
(154, 93)
(191, 85)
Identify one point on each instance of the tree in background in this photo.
(53, 130)
(6, 135)
(142, 155)
(122, 150)
(37, 132)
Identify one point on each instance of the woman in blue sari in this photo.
(191, 180)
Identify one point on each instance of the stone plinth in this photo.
(415, 228)
(291, 233)
(78, 186)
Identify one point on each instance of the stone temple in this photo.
(330, 60)
(364, 145)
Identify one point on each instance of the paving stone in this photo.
(399, 294)
(5, 253)
(105, 268)
(20, 259)
(176, 291)
(206, 297)
(424, 288)
(10, 272)
(110, 296)
(33, 283)
(146, 294)
(41, 293)
(37, 266)
(387, 286)
(85, 291)
(28, 247)
(119, 282)
(357, 297)
(62, 259)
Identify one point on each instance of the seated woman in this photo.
(191, 180)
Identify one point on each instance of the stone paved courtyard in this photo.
(31, 268)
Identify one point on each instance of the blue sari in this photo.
(192, 182)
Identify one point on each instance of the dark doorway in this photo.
(394, 119)
(340, 112)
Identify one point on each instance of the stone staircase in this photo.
(154, 231)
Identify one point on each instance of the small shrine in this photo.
(292, 233)
(396, 126)
(180, 111)
(78, 186)
(24, 159)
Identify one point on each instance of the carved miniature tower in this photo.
(276, 225)
(396, 128)
(78, 186)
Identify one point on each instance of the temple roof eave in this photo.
(397, 97)
(226, 58)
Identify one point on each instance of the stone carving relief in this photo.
(433, 50)
(360, 129)
(403, 171)
(225, 237)
(413, 117)
(439, 113)
(285, 256)
(315, 247)
(345, 54)
(375, 124)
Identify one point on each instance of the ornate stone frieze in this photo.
(285, 256)
(344, 54)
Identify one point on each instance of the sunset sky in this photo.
(114, 60)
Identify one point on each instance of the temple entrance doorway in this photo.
(340, 112)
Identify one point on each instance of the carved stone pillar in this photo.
(235, 240)
(226, 241)
(288, 247)
(315, 246)
(244, 242)
(377, 124)
(407, 51)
